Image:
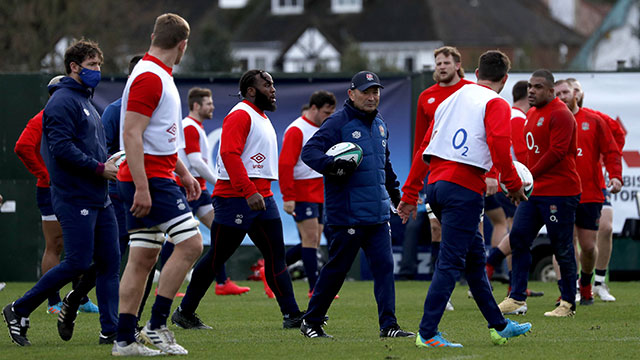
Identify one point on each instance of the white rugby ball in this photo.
(120, 160)
(346, 151)
(525, 176)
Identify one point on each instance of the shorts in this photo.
(588, 216)
(43, 198)
(202, 205)
(607, 198)
(235, 212)
(168, 202)
(308, 210)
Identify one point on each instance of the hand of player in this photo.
(256, 202)
(405, 210)
(517, 196)
(110, 170)
(615, 186)
(492, 186)
(289, 207)
(343, 168)
(141, 203)
(192, 186)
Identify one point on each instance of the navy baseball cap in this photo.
(364, 80)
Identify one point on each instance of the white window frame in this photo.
(291, 7)
(346, 6)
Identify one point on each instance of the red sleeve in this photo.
(144, 94)
(28, 149)
(561, 124)
(417, 173)
(422, 124)
(611, 155)
(191, 140)
(497, 123)
(235, 130)
(616, 129)
(289, 155)
(517, 139)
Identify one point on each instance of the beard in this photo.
(444, 78)
(263, 103)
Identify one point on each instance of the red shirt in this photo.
(144, 95)
(496, 121)
(235, 129)
(428, 102)
(28, 150)
(618, 132)
(307, 190)
(594, 140)
(517, 138)
(550, 133)
(191, 145)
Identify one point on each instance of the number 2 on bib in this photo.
(459, 139)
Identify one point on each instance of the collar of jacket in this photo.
(357, 113)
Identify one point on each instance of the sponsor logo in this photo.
(258, 158)
(351, 231)
(585, 126)
(86, 112)
(84, 212)
(180, 204)
(308, 211)
(540, 121)
(356, 134)
(238, 219)
(173, 129)
(431, 100)
(384, 143)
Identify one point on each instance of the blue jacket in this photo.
(73, 146)
(362, 198)
(111, 123)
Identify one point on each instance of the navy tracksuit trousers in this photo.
(345, 242)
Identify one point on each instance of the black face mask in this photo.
(263, 103)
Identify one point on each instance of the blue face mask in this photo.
(89, 77)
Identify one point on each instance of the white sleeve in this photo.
(195, 159)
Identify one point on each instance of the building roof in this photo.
(616, 18)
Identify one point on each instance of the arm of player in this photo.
(289, 155)
(134, 126)
(313, 152)
(26, 149)
(611, 156)
(422, 124)
(561, 124)
(190, 184)
(195, 159)
(391, 179)
(110, 122)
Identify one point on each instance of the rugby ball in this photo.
(525, 176)
(120, 160)
(346, 151)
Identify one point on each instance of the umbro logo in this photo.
(173, 129)
(258, 158)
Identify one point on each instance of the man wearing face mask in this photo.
(74, 151)
(358, 199)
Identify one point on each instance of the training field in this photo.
(250, 327)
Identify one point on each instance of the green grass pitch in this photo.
(250, 327)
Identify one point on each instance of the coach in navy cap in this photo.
(358, 199)
(364, 80)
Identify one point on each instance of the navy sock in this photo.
(160, 312)
(585, 279)
(495, 257)
(310, 262)
(560, 286)
(435, 251)
(294, 254)
(74, 284)
(221, 275)
(127, 328)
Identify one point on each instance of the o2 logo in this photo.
(458, 141)
(531, 144)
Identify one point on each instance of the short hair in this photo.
(563, 81)
(493, 65)
(546, 75)
(248, 80)
(454, 53)
(322, 97)
(304, 108)
(196, 95)
(169, 30)
(79, 51)
(133, 62)
(519, 90)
